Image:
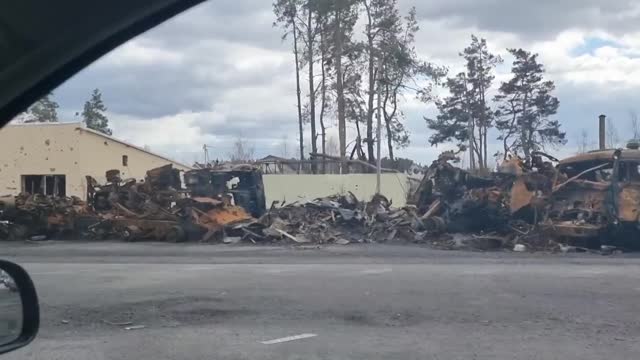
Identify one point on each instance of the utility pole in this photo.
(378, 129)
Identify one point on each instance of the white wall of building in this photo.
(296, 187)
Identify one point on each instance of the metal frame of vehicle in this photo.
(602, 192)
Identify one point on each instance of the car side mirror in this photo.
(19, 310)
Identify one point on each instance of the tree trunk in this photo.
(358, 141)
(472, 151)
(525, 129)
(389, 140)
(388, 118)
(506, 148)
(470, 127)
(342, 127)
(323, 100)
(295, 52)
(483, 116)
(372, 77)
(486, 163)
(479, 148)
(312, 91)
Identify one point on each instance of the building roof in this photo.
(80, 127)
(271, 158)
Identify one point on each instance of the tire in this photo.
(127, 236)
(175, 235)
(18, 232)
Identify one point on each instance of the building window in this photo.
(125, 160)
(51, 185)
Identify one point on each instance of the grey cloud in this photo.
(243, 21)
(146, 91)
(253, 127)
(155, 90)
(581, 105)
(532, 19)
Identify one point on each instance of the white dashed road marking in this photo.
(288, 338)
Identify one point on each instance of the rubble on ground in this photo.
(339, 219)
(27, 215)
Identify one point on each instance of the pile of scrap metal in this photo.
(589, 200)
(338, 219)
(27, 215)
(159, 208)
(451, 200)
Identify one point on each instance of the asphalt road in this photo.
(353, 302)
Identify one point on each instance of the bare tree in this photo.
(613, 139)
(286, 12)
(284, 147)
(241, 151)
(583, 141)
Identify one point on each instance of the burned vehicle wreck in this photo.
(451, 199)
(242, 182)
(160, 208)
(600, 199)
(588, 200)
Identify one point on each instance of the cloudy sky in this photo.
(220, 71)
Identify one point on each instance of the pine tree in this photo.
(526, 104)
(93, 113)
(480, 67)
(44, 110)
(465, 115)
(454, 118)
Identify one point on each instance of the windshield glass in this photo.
(337, 179)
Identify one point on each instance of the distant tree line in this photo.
(46, 110)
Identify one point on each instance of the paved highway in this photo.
(354, 302)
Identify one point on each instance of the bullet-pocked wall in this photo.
(42, 149)
(70, 150)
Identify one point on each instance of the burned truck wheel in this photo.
(18, 232)
(127, 236)
(175, 235)
(130, 233)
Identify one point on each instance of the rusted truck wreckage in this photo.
(589, 199)
(600, 199)
(157, 207)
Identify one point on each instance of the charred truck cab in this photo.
(600, 198)
(243, 182)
